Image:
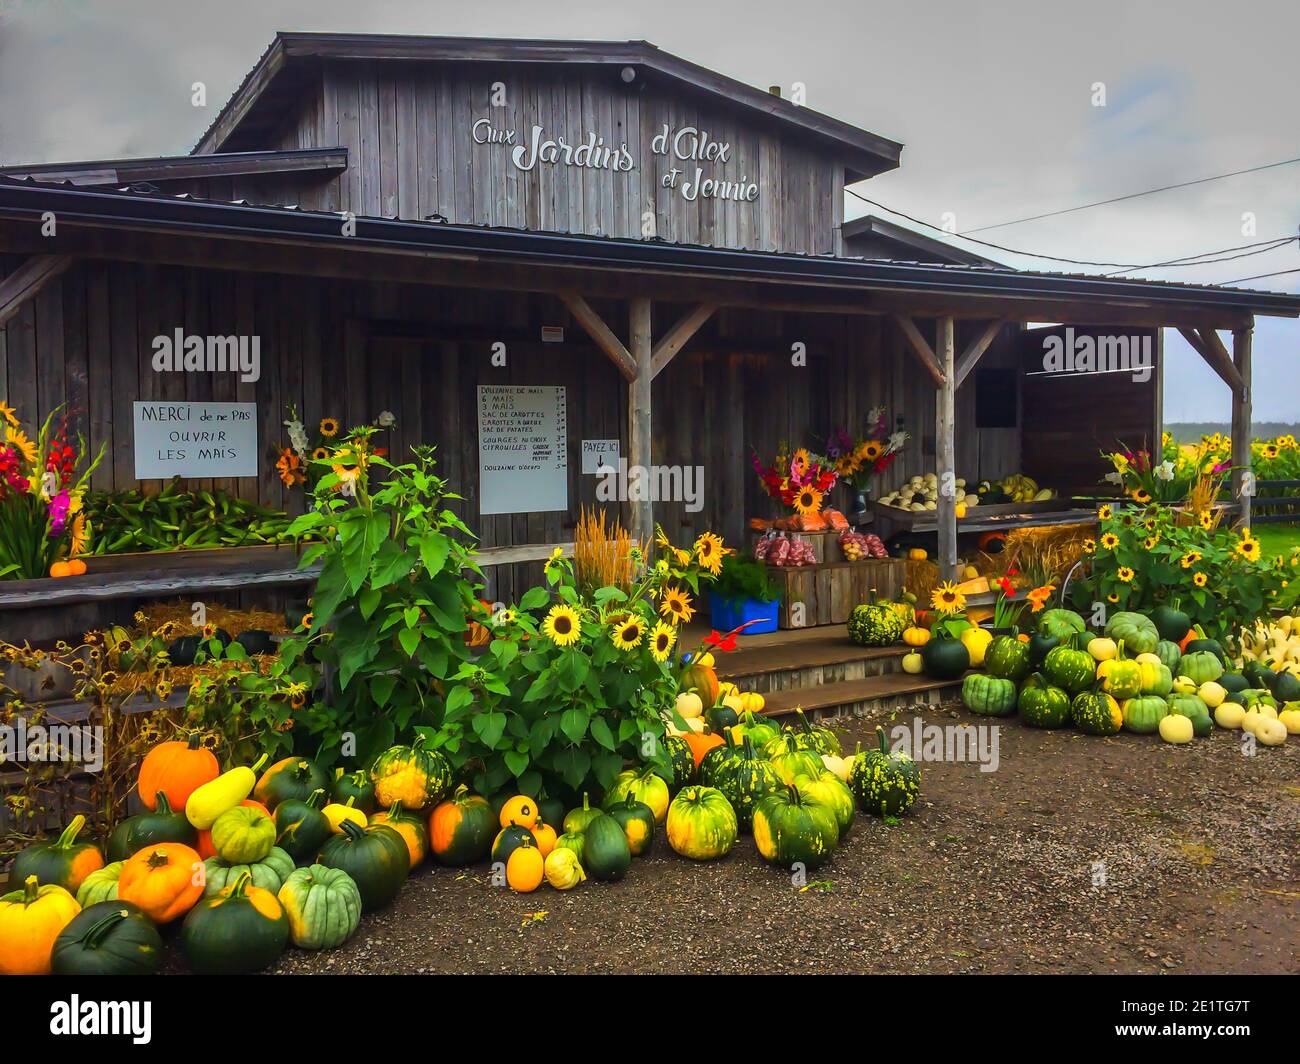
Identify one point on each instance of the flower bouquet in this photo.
(42, 523)
(799, 481)
(857, 461)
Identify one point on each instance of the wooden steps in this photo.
(825, 673)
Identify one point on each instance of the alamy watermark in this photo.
(658, 483)
(179, 353)
(978, 744)
(1105, 353)
(56, 743)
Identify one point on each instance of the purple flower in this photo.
(59, 513)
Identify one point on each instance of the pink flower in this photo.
(59, 513)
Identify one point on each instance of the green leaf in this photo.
(381, 688)
(368, 602)
(488, 726)
(433, 551)
(573, 722)
(534, 597)
(410, 640)
(516, 762)
(601, 733)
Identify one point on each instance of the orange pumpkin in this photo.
(165, 880)
(701, 743)
(204, 845)
(545, 836)
(520, 811)
(76, 567)
(177, 769)
(60, 569)
(31, 918)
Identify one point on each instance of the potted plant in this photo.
(744, 594)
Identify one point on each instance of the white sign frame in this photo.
(522, 467)
(178, 438)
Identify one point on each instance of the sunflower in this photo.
(869, 450)
(1089, 545)
(1150, 542)
(79, 540)
(209, 631)
(1109, 541)
(503, 617)
(1126, 574)
(662, 638)
(1207, 519)
(17, 439)
(320, 454)
(1247, 547)
(627, 633)
(1199, 579)
(683, 557)
(1149, 524)
(800, 462)
(676, 605)
(1105, 512)
(329, 427)
(708, 551)
(808, 501)
(562, 626)
(163, 689)
(348, 478)
(1269, 450)
(308, 619)
(1189, 559)
(946, 598)
(1141, 495)
(1113, 597)
(8, 414)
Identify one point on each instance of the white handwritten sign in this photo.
(598, 453)
(523, 452)
(180, 439)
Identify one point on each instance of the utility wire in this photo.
(1134, 195)
(1261, 276)
(1120, 267)
(1202, 259)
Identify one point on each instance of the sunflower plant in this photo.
(43, 484)
(1144, 556)
(574, 683)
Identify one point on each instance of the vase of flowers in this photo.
(857, 461)
(799, 482)
(42, 485)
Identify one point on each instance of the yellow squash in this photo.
(225, 792)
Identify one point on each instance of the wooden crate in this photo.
(825, 545)
(828, 592)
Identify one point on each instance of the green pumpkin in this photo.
(108, 938)
(875, 624)
(59, 862)
(831, 791)
(1062, 624)
(945, 658)
(301, 829)
(988, 696)
(100, 885)
(605, 850)
(412, 775)
(550, 809)
(1070, 668)
(1039, 645)
(323, 906)
(721, 717)
(717, 757)
(269, 873)
(1134, 630)
(797, 763)
(1194, 708)
(681, 761)
(1202, 644)
(357, 786)
(745, 779)
(572, 840)
(1169, 654)
(234, 933)
(1007, 658)
(375, 857)
(701, 824)
(759, 728)
(884, 783)
(1123, 677)
(788, 741)
(148, 828)
(1156, 679)
(243, 835)
(1258, 675)
(1144, 713)
(1096, 713)
(642, 784)
(1233, 682)
(462, 828)
(637, 821)
(1171, 622)
(291, 777)
(1286, 688)
(1043, 705)
(1200, 666)
(795, 828)
(821, 740)
(510, 838)
(577, 819)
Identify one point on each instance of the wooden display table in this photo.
(828, 592)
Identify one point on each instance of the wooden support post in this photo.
(920, 349)
(26, 281)
(945, 450)
(639, 421)
(594, 326)
(1241, 475)
(971, 356)
(675, 338)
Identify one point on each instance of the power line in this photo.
(1121, 267)
(1202, 259)
(1134, 195)
(1261, 276)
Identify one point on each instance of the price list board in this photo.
(523, 454)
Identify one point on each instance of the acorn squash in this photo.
(61, 862)
(108, 938)
(606, 855)
(375, 857)
(461, 829)
(239, 931)
(323, 906)
(144, 829)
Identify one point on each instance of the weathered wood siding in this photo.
(407, 127)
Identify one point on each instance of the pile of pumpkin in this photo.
(243, 864)
(1152, 674)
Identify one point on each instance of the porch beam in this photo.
(1206, 343)
(603, 336)
(1243, 480)
(922, 350)
(975, 350)
(27, 281)
(639, 414)
(676, 337)
(945, 450)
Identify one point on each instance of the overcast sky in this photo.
(994, 103)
